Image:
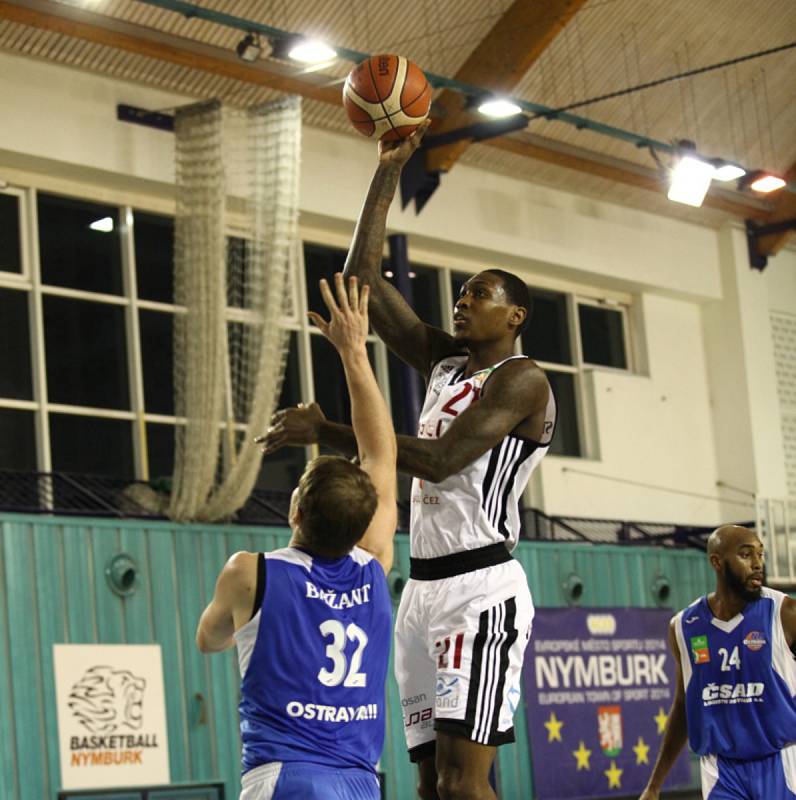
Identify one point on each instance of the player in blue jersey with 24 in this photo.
(312, 621)
(735, 698)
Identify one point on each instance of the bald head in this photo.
(728, 538)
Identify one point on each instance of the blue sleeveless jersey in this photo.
(313, 662)
(739, 678)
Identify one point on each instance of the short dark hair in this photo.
(517, 294)
(337, 501)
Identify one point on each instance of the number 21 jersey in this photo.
(479, 505)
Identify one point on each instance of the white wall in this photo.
(662, 428)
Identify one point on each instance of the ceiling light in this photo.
(765, 182)
(691, 177)
(726, 171)
(104, 225)
(498, 107)
(387, 273)
(311, 51)
(249, 48)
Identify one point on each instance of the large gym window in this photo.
(15, 377)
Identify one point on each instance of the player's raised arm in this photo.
(393, 319)
(371, 423)
(676, 733)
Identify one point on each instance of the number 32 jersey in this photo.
(313, 662)
(739, 678)
(479, 505)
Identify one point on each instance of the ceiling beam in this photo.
(625, 172)
(105, 30)
(784, 209)
(498, 64)
(143, 41)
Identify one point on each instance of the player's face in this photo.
(482, 310)
(744, 568)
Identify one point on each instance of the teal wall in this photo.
(53, 589)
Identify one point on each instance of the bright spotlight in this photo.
(690, 181)
(767, 183)
(499, 107)
(104, 225)
(311, 51)
(725, 171)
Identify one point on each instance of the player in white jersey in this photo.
(735, 696)
(489, 416)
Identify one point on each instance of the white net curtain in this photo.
(236, 171)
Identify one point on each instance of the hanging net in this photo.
(236, 244)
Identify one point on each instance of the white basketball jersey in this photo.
(479, 505)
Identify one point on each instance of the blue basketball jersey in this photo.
(739, 678)
(313, 662)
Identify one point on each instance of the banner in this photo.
(111, 715)
(598, 687)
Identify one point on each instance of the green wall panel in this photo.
(53, 589)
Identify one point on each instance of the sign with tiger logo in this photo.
(111, 715)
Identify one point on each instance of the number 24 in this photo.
(734, 659)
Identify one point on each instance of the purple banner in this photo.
(598, 686)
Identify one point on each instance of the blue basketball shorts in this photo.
(771, 777)
(303, 781)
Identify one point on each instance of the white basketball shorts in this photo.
(459, 646)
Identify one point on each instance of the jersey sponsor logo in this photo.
(732, 693)
(700, 650)
(423, 718)
(609, 726)
(339, 600)
(323, 713)
(448, 690)
(411, 701)
(755, 640)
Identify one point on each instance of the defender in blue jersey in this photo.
(735, 698)
(312, 621)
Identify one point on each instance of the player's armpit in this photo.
(513, 394)
(788, 616)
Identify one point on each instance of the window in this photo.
(15, 376)
(91, 445)
(602, 335)
(282, 470)
(154, 257)
(86, 353)
(10, 241)
(17, 440)
(79, 244)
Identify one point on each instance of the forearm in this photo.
(416, 457)
(370, 418)
(673, 741)
(364, 257)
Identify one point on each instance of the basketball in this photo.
(386, 97)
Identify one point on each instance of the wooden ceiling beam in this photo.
(624, 172)
(498, 64)
(784, 209)
(104, 30)
(142, 41)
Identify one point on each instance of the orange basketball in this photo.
(386, 97)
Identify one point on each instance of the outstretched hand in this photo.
(400, 151)
(292, 427)
(347, 327)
